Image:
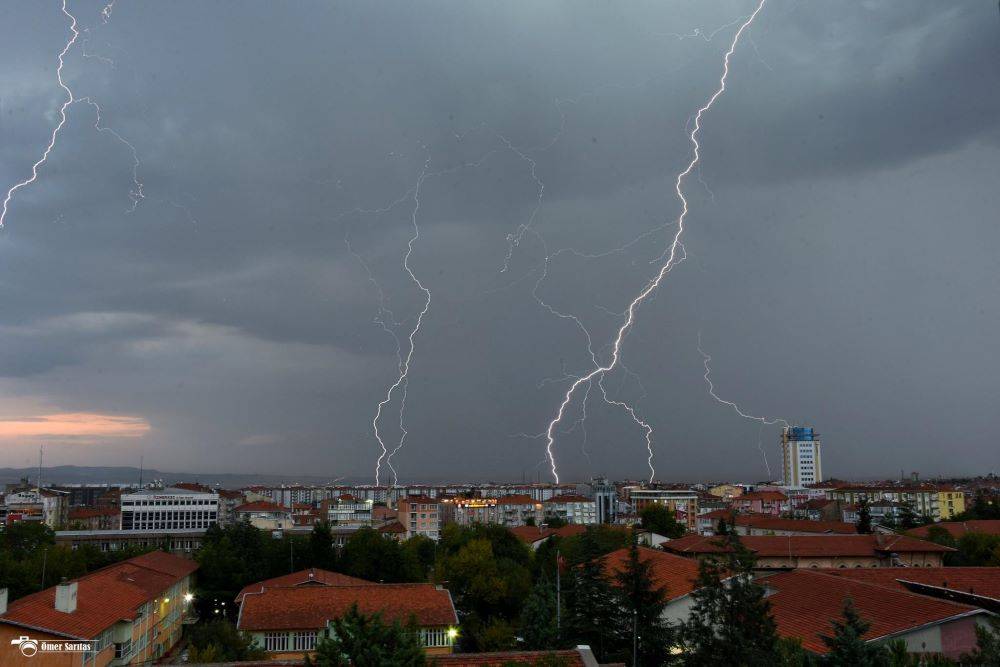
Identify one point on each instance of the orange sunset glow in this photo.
(73, 425)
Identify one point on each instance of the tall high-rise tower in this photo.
(801, 456)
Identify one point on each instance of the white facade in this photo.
(169, 509)
(800, 453)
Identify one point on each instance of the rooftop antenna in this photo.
(38, 489)
(140, 472)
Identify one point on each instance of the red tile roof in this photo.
(563, 658)
(808, 545)
(766, 522)
(677, 573)
(309, 577)
(959, 528)
(808, 601)
(516, 499)
(393, 527)
(104, 596)
(979, 581)
(532, 534)
(310, 607)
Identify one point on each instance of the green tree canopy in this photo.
(847, 647)
(357, 640)
(659, 519)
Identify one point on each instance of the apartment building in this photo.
(520, 510)
(420, 515)
(346, 509)
(128, 613)
(572, 509)
(924, 501)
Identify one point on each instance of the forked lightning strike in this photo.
(672, 255)
(136, 194)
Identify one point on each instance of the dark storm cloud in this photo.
(839, 266)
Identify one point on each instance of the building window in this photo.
(124, 649)
(276, 641)
(435, 637)
(304, 641)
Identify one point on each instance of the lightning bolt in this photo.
(672, 260)
(136, 193)
(764, 421)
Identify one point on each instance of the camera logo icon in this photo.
(28, 646)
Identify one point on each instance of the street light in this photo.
(188, 597)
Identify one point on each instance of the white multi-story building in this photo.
(572, 509)
(169, 509)
(800, 452)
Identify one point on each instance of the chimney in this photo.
(3, 601)
(66, 597)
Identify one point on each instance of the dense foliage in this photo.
(30, 560)
(357, 640)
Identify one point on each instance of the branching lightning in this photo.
(674, 256)
(136, 193)
(764, 421)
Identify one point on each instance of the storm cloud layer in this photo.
(842, 265)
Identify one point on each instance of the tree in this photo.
(592, 615)
(978, 549)
(722, 528)
(908, 517)
(220, 641)
(730, 622)
(321, 551)
(987, 651)
(847, 645)
(357, 640)
(642, 604)
(538, 619)
(864, 517)
(659, 519)
(554, 521)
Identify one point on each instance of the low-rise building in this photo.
(288, 621)
(924, 501)
(822, 551)
(774, 503)
(805, 603)
(959, 528)
(127, 613)
(94, 518)
(183, 542)
(50, 504)
(469, 511)
(265, 515)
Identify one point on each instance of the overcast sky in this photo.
(842, 237)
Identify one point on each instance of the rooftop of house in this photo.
(959, 528)
(805, 603)
(765, 522)
(677, 574)
(312, 576)
(532, 534)
(808, 545)
(312, 607)
(261, 506)
(104, 597)
(982, 582)
(764, 496)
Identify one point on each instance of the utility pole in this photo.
(558, 596)
(635, 635)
